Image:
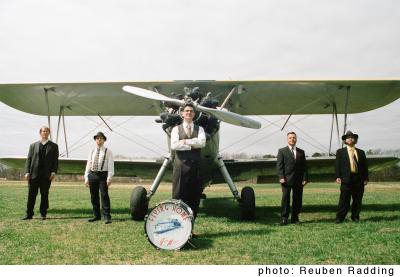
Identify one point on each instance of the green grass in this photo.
(67, 238)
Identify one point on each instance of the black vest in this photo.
(193, 154)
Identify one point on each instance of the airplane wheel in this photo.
(139, 203)
(247, 204)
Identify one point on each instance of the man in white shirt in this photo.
(187, 139)
(98, 174)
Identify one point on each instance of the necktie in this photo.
(96, 160)
(353, 165)
(189, 130)
(292, 149)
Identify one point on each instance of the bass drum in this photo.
(169, 225)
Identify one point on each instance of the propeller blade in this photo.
(232, 118)
(150, 94)
(226, 116)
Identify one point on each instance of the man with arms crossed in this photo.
(187, 139)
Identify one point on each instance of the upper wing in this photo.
(249, 97)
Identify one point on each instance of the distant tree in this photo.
(268, 156)
(316, 154)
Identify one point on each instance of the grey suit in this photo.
(294, 171)
(42, 160)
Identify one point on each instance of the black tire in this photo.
(139, 203)
(247, 204)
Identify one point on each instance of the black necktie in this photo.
(291, 149)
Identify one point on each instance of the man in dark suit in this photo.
(352, 176)
(41, 168)
(292, 172)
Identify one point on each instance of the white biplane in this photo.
(215, 101)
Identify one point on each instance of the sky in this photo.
(89, 41)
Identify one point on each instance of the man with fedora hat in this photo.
(352, 176)
(98, 174)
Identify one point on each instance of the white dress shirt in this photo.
(108, 163)
(294, 150)
(187, 144)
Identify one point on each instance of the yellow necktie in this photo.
(353, 163)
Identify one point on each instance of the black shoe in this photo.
(295, 221)
(94, 219)
(27, 217)
(338, 221)
(107, 221)
(284, 222)
(355, 220)
(43, 217)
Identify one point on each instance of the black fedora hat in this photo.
(349, 134)
(100, 134)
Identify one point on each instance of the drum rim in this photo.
(163, 202)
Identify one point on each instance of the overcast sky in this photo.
(88, 41)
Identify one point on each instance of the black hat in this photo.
(100, 134)
(349, 134)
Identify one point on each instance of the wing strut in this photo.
(334, 118)
(227, 98)
(283, 127)
(65, 135)
(46, 96)
(61, 114)
(59, 119)
(105, 122)
(346, 109)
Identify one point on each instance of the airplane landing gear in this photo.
(139, 197)
(139, 203)
(247, 199)
(247, 204)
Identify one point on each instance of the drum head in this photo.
(169, 225)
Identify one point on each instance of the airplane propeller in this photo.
(223, 115)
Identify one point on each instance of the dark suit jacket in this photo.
(343, 170)
(50, 163)
(294, 171)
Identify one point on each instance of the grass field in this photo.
(67, 238)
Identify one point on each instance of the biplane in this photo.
(215, 101)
